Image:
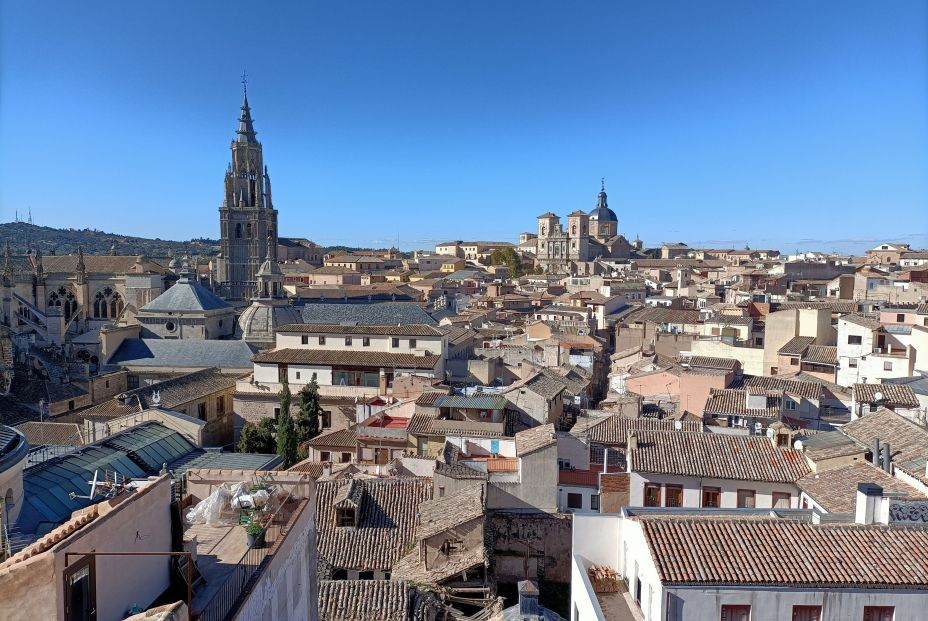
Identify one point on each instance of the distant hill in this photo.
(23, 236)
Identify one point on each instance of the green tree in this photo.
(258, 438)
(286, 430)
(510, 258)
(307, 422)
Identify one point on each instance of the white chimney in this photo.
(869, 499)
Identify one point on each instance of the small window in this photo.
(452, 548)
(874, 407)
(325, 456)
(441, 491)
(781, 500)
(201, 411)
(746, 499)
(807, 613)
(854, 339)
(790, 404)
(322, 339)
(325, 419)
(276, 413)
(345, 517)
(736, 612)
(71, 404)
(220, 405)
(346, 458)
(297, 374)
(673, 496)
(412, 343)
(304, 339)
(652, 495)
(347, 341)
(888, 365)
(900, 317)
(793, 362)
(365, 575)
(594, 502)
(711, 497)
(574, 501)
(107, 383)
(366, 341)
(395, 342)
(879, 613)
(852, 363)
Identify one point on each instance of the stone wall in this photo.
(530, 546)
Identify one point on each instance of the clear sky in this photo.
(784, 124)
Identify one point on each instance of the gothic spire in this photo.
(246, 129)
(81, 268)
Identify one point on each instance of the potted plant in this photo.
(255, 533)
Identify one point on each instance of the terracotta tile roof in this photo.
(458, 471)
(174, 393)
(835, 306)
(821, 354)
(785, 553)
(384, 600)
(796, 346)
(836, 490)
(871, 323)
(535, 439)
(63, 434)
(441, 514)
(386, 521)
(908, 442)
(347, 358)
(545, 386)
(327, 328)
(829, 445)
(733, 401)
(430, 398)
(717, 456)
(346, 438)
(614, 430)
(663, 315)
(891, 395)
(710, 362)
(472, 428)
(806, 390)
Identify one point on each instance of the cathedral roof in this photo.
(186, 296)
(601, 212)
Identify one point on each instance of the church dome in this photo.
(601, 212)
(258, 324)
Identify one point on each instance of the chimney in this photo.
(383, 382)
(632, 441)
(887, 458)
(528, 600)
(869, 498)
(606, 460)
(326, 470)
(875, 457)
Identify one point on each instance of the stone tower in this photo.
(247, 218)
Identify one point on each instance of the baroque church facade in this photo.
(247, 218)
(588, 236)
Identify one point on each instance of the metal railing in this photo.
(235, 587)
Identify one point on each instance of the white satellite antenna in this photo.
(878, 395)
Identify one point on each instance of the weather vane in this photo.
(245, 82)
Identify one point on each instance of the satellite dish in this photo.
(878, 395)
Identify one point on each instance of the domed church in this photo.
(269, 309)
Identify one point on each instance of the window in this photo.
(746, 499)
(201, 411)
(71, 404)
(854, 339)
(276, 413)
(297, 374)
(781, 500)
(452, 548)
(220, 405)
(347, 341)
(80, 590)
(304, 339)
(874, 407)
(793, 362)
(107, 383)
(790, 404)
(365, 575)
(652, 495)
(366, 341)
(412, 343)
(441, 491)
(594, 502)
(738, 612)
(807, 613)
(711, 497)
(852, 363)
(282, 373)
(574, 501)
(325, 456)
(879, 613)
(900, 317)
(346, 457)
(325, 419)
(394, 342)
(888, 365)
(673, 496)
(322, 339)
(345, 517)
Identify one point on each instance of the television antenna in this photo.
(110, 486)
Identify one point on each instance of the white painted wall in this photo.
(692, 490)
(336, 342)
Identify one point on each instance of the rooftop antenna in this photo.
(156, 397)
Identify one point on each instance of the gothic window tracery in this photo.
(107, 304)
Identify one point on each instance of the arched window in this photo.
(573, 230)
(107, 304)
(54, 301)
(543, 231)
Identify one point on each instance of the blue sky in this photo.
(786, 124)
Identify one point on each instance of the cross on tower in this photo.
(245, 82)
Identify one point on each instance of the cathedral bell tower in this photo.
(247, 218)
